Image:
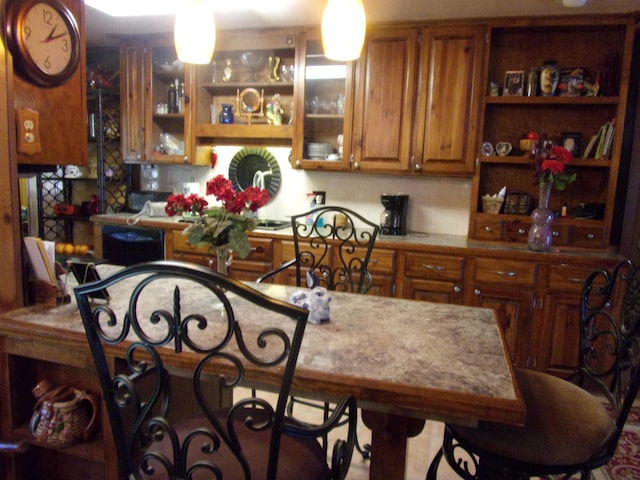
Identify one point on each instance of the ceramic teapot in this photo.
(63, 415)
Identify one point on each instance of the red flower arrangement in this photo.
(220, 227)
(550, 163)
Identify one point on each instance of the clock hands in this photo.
(52, 35)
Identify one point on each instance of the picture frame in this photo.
(572, 141)
(513, 83)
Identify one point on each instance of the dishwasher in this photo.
(125, 245)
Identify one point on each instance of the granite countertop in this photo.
(416, 240)
(400, 355)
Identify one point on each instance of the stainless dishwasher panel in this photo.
(123, 245)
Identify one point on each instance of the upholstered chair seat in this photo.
(555, 408)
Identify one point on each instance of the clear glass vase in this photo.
(224, 258)
(540, 233)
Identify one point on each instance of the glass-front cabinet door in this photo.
(324, 109)
(167, 117)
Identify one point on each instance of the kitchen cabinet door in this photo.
(384, 99)
(450, 61)
(132, 100)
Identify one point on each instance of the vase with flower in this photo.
(222, 228)
(549, 164)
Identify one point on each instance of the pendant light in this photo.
(195, 33)
(344, 26)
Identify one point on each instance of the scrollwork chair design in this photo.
(145, 344)
(568, 428)
(335, 247)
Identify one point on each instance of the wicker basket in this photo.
(517, 203)
(491, 204)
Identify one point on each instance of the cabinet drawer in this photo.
(560, 234)
(433, 267)
(181, 244)
(488, 230)
(261, 249)
(517, 230)
(570, 278)
(588, 237)
(505, 272)
(381, 261)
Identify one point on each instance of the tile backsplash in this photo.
(436, 205)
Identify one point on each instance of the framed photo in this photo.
(513, 83)
(572, 141)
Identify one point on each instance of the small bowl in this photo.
(503, 148)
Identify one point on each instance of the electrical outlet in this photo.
(28, 130)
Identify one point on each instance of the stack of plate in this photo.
(319, 151)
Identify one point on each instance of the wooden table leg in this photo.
(389, 434)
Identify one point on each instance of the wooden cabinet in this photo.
(448, 96)
(382, 266)
(528, 45)
(258, 262)
(250, 71)
(507, 286)
(155, 129)
(432, 277)
(62, 110)
(324, 106)
(385, 87)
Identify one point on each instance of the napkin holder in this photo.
(45, 293)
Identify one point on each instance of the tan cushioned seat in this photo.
(555, 407)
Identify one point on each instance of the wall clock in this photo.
(44, 40)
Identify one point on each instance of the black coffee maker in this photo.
(393, 220)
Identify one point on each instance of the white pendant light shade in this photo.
(344, 25)
(195, 33)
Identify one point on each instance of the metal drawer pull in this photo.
(590, 236)
(555, 233)
(522, 231)
(576, 280)
(437, 268)
(506, 274)
(373, 261)
(457, 289)
(488, 229)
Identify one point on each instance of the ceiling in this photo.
(101, 27)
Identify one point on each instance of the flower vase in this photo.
(540, 233)
(224, 257)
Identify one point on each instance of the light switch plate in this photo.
(28, 129)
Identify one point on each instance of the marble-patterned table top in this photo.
(407, 357)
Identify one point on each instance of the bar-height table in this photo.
(403, 360)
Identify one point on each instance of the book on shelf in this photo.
(605, 139)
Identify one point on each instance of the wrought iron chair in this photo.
(333, 248)
(211, 327)
(569, 429)
(319, 235)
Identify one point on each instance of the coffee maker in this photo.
(393, 220)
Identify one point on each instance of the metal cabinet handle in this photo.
(477, 292)
(555, 233)
(417, 166)
(506, 274)
(488, 229)
(522, 231)
(437, 268)
(373, 261)
(590, 236)
(298, 164)
(185, 159)
(457, 289)
(576, 280)
(356, 165)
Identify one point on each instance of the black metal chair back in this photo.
(210, 327)
(584, 433)
(333, 245)
(610, 342)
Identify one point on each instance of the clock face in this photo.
(47, 38)
(44, 39)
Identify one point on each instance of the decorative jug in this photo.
(63, 415)
(226, 115)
